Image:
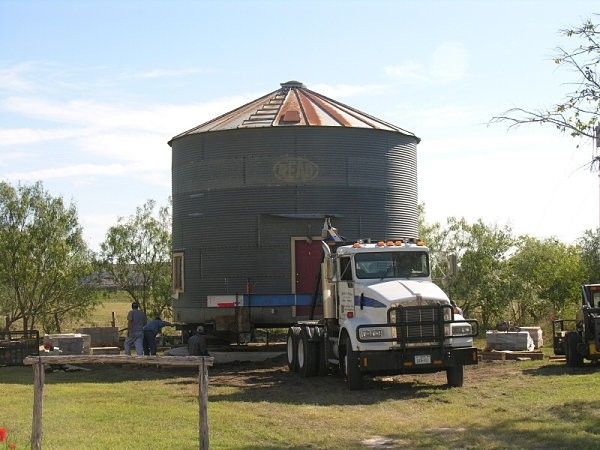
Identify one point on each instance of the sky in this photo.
(91, 91)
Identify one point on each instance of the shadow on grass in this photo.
(562, 369)
(576, 427)
(280, 386)
(251, 382)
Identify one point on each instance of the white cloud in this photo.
(125, 139)
(14, 78)
(24, 136)
(102, 116)
(95, 227)
(78, 170)
(409, 71)
(6, 157)
(449, 62)
(533, 181)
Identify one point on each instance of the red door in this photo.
(308, 260)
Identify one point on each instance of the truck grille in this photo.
(419, 325)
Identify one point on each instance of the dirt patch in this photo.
(274, 372)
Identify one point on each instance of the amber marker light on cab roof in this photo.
(356, 245)
(398, 243)
(420, 243)
(381, 244)
(389, 243)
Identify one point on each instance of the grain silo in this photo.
(251, 189)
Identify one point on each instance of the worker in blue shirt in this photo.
(151, 329)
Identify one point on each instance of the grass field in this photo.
(533, 404)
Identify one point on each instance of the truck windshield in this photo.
(391, 265)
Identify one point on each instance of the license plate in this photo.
(422, 359)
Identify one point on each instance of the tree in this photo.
(578, 114)
(544, 279)
(589, 245)
(479, 286)
(137, 253)
(43, 259)
(482, 254)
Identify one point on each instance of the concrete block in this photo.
(509, 340)
(71, 343)
(102, 336)
(536, 335)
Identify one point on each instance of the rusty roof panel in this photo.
(293, 105)
(290, 109)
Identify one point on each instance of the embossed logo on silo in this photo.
(294, 169)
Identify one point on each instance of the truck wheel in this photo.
(351, 366)
(455, 376)
(574, 359)
(307, 355)
(292, 348)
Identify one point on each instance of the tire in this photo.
(306, 355)
(292, 348)
(455, 376)
(350, 365)
(574, 359)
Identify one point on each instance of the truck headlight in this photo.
(462, 330)
(371, 333)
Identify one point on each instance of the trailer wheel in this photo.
(292, 348)
(574, 359)
(351, 366)
(455, 376)
(307, 355)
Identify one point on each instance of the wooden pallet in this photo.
(496, 355)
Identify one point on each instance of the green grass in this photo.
(534, 404)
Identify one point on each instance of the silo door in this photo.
(308, 257)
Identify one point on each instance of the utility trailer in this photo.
(382, 314)
(579, 339)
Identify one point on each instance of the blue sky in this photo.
(90, 93)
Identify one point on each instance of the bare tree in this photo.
(579, 113)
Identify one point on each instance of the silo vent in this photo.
(292, 84)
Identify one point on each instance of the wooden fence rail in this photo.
(37, 363)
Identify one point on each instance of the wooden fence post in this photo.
(38, 391)
(201, 362)
(202, 405)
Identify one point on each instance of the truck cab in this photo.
(383, 315)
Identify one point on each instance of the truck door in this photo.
(345, 288)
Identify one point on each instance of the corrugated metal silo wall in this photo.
(232, 190)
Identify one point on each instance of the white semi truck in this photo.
(382, 314)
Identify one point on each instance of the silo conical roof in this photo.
(293, 105)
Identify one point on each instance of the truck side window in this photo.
(345, 269)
